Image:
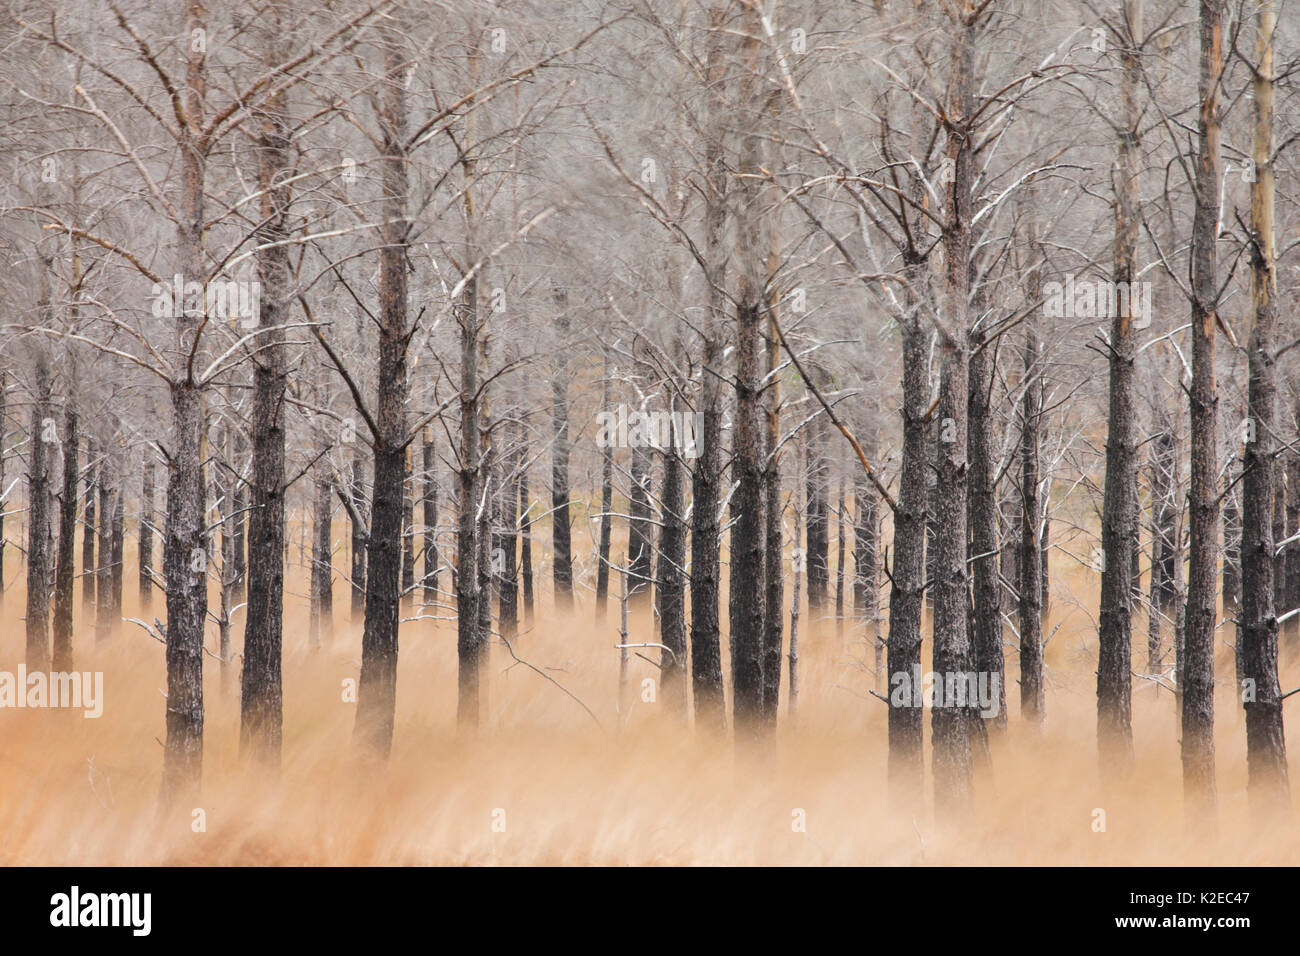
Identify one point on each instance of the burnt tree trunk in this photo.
(469, 491)
(816, 532)
(321, 622)
(866, 562)
(745, 588)
(982, 516)
(119, 554)
(1119, 506)
(561, 534)
(1291, 629)
(839, 558)
(640, 540)
(408, 534)
(89, 531)
(606, 505)
(1198, 651)
(526, 541)
(357, 573)
(186, 539)
(65, 563)
(261, 709)
(104, 572)
(951, 724)
(508, 580)
(1032, 696)
(706, 653)
(377, 690)
(670, 590)
(907, 581)
(773, 565)
(145, 537)
(429, 502)
(1261, 694)
(38, 522)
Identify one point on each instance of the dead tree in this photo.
(65, 562)
(429, 502)
(606, 503)
(40, 438)
(670, 590)
(1198, 653)
(1261, 694)
(261, 708)
(561, 534)
(144, 538)
(1119, 508)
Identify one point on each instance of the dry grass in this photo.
(79, 791)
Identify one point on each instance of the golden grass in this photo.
(79, 791)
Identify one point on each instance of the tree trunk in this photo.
(377, 691)
(408, 534)
(817, 536)
(526, 540)
(38, 522)
(357, 573)
(706, 654)
(261, 709)
(907, 582)
(224, 491)
(486, 570)
(745, 589)
(508, 582)
(470, 490)
(561, 535)
(606, 505)
(185, 544)
(119, 555)
(951, 724)
(866, 563)
(639, 528)
(839, 559)
(773, 563)
(145, 550)
(89, 531)
(1163, 545)
(240, 536)
(1291, 629)
(104, 572)
(1261, 694)
(1280, 507)
(1198, 664)
(1232, 532)
(430, 516)
(983, 551)
(1032, 697)
(669, 590)
(65, 569)
(1119, 507)
(321, 623)
(797, 571)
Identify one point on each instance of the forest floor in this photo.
(541, 783)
